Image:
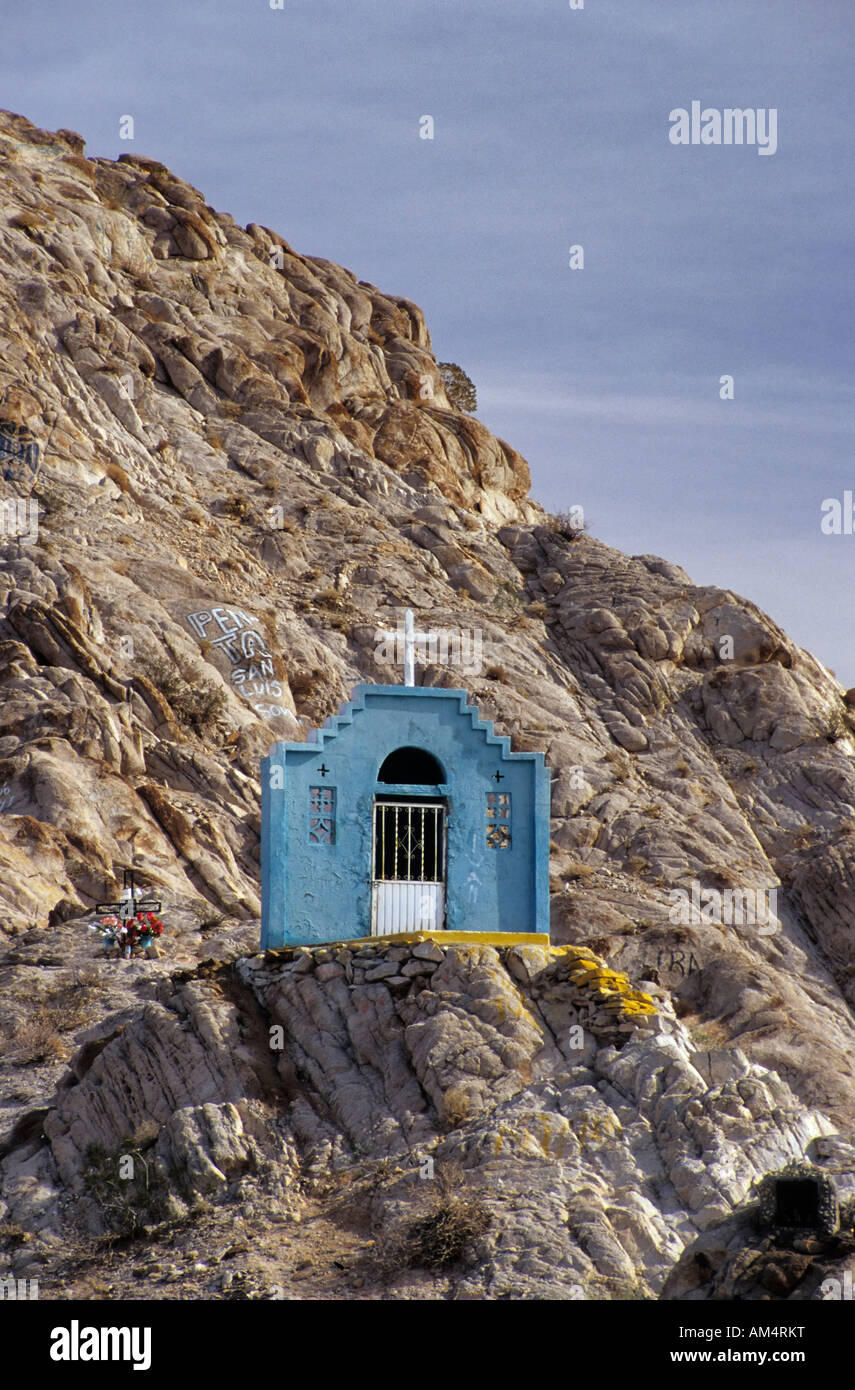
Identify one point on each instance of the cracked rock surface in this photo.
(249, 463)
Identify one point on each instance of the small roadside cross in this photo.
(131, 901)
(128, 907)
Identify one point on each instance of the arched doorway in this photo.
(409, 845)
(413, 766)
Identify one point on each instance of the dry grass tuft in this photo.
(66, 1007)
(116, 473)
(81, 164)
(26, 221)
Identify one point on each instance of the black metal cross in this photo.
(323, 770)
(497, 777)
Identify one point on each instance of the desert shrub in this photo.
(204, 707)
(268, 627)
(314, 694)
(52, 504)
(455, 1108)
(335, 609)
(619, 764)
(450, 1219)
(459, 388)
(212, 921)
(570, 524)
(577, 870)
(73, 1000)
(127, 1203)
(496, 673)
(440, 1238)
(607, 1288)
(834, 725)
(237, 506)
(38, 1041)
(199, 706)
(708, 1036)
(660, 696)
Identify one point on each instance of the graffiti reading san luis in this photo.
(235, 633)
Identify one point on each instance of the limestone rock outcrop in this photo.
(225, 465)
(602, 1156)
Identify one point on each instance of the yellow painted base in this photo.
(609, 988)
(456, 938)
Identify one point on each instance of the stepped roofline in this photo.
(363, 693)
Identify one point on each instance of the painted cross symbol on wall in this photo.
(497, 777)
(323, 770)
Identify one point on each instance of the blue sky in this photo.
(551, 129)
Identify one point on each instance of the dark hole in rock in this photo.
(797, 1202)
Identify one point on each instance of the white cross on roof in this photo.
(410, 639)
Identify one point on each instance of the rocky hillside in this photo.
(247, 463)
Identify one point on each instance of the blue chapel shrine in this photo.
(404, 814)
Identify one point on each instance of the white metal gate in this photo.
(408, 886)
